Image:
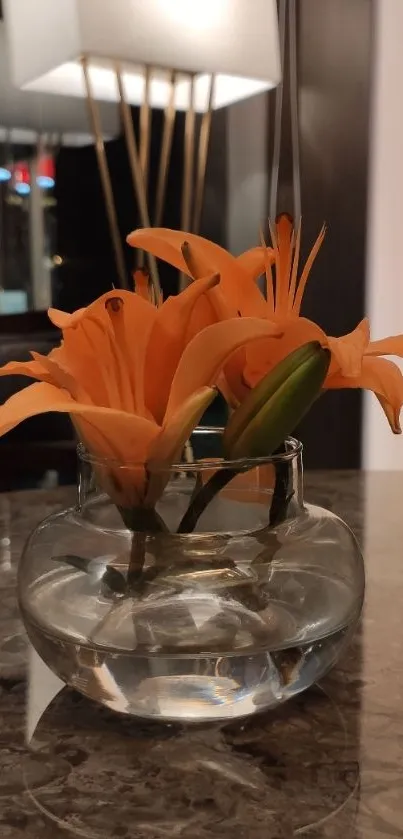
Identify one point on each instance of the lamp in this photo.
(39, 113)
(222, 37)
(190, 55)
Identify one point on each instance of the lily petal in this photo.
(253, 261)
(115, 434)
(348, 350)
(167, 342)
(196, 265)
(139, 317)
(264, 355)
(168, 446)
(203, 314)
(212, 307)
(163, 243)
(167, 245)
(386, 346)
(207, 353)
(60, 377)
(384, 378)
(221, 306)
(85, 353)
(90, 350)
(32, 369)
(231, 382)
(64, 319)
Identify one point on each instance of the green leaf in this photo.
(276, 405)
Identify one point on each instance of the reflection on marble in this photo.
(263, 779)
(326, 765)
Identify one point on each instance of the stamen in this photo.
(141, 279)
(113, 303)
(269, 275)
(294, 272)
(305, 274)
(195, 264)
(276, 281)
(285, 247)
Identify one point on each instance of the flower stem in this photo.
(281, 498)
(136, 559)
(140, 521)
(143, 519)
(200, 501)
(218, 481)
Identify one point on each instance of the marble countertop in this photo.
(327, 764)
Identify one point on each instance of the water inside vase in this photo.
(194, 655)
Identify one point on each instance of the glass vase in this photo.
(245, 610)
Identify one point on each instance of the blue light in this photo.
(5, 174)
(45, 182)
(13, 302)
(22, 188)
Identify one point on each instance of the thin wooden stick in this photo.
(144, 145)
(189, 142)
(204, 139)
(145, 127)
(166, 147)
(105, 177)
(137, 175)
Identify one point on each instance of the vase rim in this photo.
(294, 449)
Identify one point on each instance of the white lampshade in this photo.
(24, 115)
(235, 39)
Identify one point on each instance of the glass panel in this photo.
(27, 223)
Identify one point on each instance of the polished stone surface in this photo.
(328, 764)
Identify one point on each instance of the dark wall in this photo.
(334, 43)
(88, 267)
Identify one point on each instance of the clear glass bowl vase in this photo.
(240, 614)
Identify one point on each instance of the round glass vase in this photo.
(240, 614)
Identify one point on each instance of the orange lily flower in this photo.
(133, 384)
(236, 294)
(356, 361)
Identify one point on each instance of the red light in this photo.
(46, 172)
(22, 173)
(22, 178)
